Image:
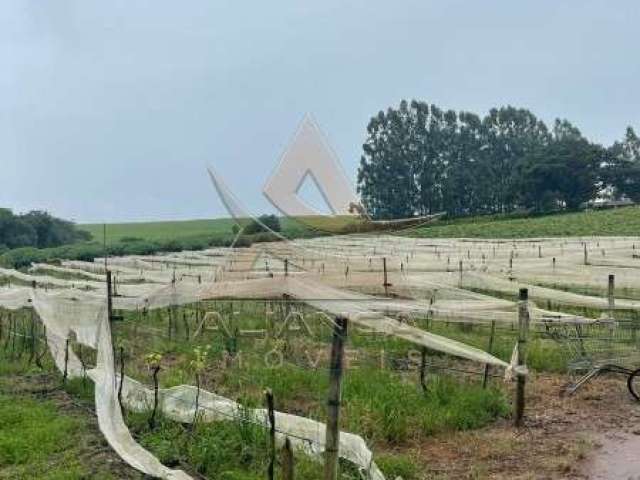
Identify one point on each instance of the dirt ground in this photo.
(594, 434)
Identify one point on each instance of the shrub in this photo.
(264, 237)
(87, 251)
(131, 239)
(21, 257)
(243, 242)
(37, 229)
(272, 222)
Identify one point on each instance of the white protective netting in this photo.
(474, 281)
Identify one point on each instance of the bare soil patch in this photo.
(574, 437)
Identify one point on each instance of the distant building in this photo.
(607, 198)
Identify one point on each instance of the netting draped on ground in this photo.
(384, 284)
(83, 316)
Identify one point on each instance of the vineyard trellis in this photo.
(412, 314)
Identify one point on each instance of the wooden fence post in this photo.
(385, 283)
(66, 362)
(586, 254)
(109, 299)
(287, 461)
(121, 380)
(83, 364)
(185, 324)
(487, 367)
(6, 343)
(156, 399)
(13, 321)
(611, 294)
(33, 342)
(332, 440)
(423, 369)
(523, 330)
(110, 314)
(272, 434)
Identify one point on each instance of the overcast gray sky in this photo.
(111, 110)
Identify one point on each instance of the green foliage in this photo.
(544, 354)
(379, 405)
(149, 238)
(36, 441)
(419, 159)
(509, 135)
(153, 360)
(398, 465)
(23, 257)
(199, 360)
(561, 173)
(25, 422)
(131, 239)
(229, 450)
(82, 388)
(622, 169)
(383, 409)
(36, 229)
(264, 223)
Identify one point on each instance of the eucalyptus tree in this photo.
(621, 170)
(512, 134)
(563, 173)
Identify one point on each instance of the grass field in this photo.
(36, 441)
(45, 435)
(160, 230)
(618, 222)
(175, 230)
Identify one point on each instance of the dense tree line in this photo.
(419, 159)
(36, 229)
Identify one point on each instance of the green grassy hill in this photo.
(146, 238)
(616, 222)
(619, 222)
(176, 230)
(160, 230)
